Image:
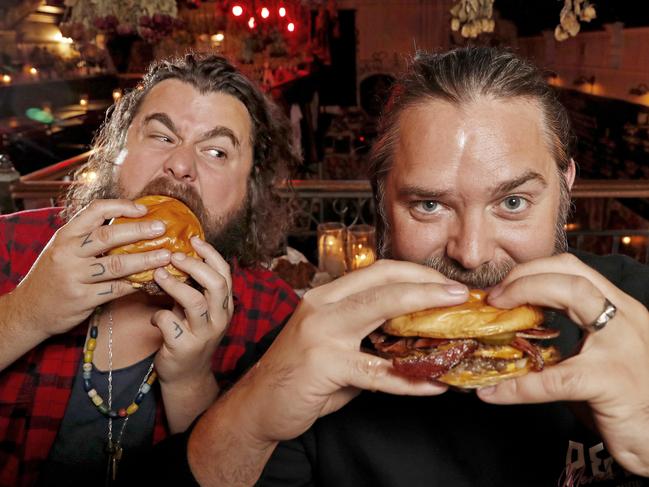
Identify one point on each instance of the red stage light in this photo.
(290, 26)
(237, 10)
(251, 22)
(265, 13)
(282, 12)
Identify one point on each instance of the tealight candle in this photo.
(361, 245)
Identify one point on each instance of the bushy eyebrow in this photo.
(421, 193)
(218, 131)
(164, 119)
(221, 131)
(509, 186)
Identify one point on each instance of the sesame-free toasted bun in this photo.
(472, 319)
(466, 379)
(181, 226)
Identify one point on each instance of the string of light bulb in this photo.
(256, 14)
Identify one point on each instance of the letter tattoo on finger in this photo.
(206, 315)
(105, 293)
(101, 269)
(178, 329)
(226, 300)
(86, 239)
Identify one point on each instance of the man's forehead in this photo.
(486, 138)
(177, 98)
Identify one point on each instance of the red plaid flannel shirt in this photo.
(34, 390)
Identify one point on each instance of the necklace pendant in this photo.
(114, 452)
(115, 458)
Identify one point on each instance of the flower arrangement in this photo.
(150, 19)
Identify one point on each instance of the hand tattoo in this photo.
(101, 270)
(86, 239)
(226, 301)
(105, 293)
(178, 329)
(206, 315)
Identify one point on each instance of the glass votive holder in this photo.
(83, 100)
(361, 246)
(331, 248)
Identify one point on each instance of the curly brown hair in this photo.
(267, 216)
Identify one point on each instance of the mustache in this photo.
(486, 275)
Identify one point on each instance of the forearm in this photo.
(222, 451)
(185, 401)
(18, 333)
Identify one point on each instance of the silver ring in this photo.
(604, 317)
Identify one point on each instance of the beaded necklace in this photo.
(113, 448)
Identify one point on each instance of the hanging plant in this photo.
(572, 13)
(472, 17)
(150, 19)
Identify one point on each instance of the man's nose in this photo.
(180, 164)
(471, 242)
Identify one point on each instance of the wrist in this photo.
(18, 316)
(225, 447)
(202, 382)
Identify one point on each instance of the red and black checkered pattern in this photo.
(34, 390)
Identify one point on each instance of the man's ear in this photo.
(570, 173)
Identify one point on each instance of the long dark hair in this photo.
(267, 216)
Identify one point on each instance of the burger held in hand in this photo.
(181, 225)
(468, 346)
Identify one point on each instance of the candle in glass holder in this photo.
(331, 248)
(361, 246)
(6, 79)
(117, 94)
(83, 101)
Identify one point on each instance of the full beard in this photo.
(224, 232)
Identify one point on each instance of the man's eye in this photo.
(215, 153)
(161, 138)
(427, 206)
(514, 204)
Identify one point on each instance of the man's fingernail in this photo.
(157, 226)
(456, 288)
(162, 255)
(162, 273)
(179, 256)
(140, 207)
(196, 241)
(487, 391)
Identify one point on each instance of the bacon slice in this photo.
(435, 364)
(538, 333)
(534, 352)
(385, 343)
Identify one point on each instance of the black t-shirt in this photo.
(451, 440)
(78, 456)
(457, 440)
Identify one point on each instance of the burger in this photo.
(467, 346)
(181, 225)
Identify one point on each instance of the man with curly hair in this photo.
(195, 129)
